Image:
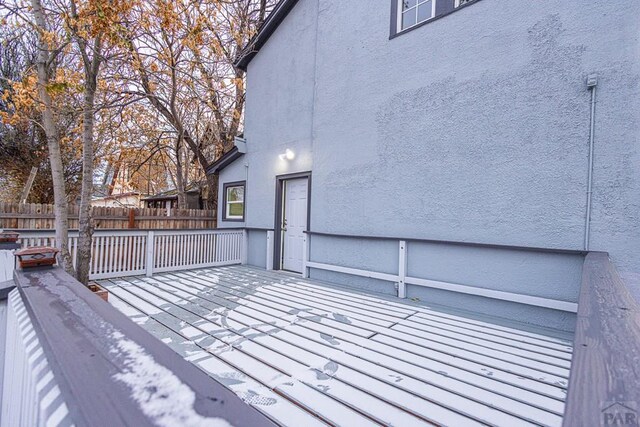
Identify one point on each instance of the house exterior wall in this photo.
(474, 128)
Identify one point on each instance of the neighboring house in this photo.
(123, 200)
(447, 121)
(169, 200)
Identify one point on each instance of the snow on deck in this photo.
(305, 353)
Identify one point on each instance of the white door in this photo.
(294, 223)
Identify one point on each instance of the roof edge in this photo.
(238, 150)
(269, 26)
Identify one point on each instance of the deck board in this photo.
(521, 371)
(517, 364)
(451, 359)
(420, 308)
(343, 357)
(375, 371)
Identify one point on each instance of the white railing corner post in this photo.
(245, 247)
(305, 255)
(402, 269)
(150, 253)
(269, 260)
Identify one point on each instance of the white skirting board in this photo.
(30, 393)
(7, 265)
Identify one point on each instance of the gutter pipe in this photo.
(592, 82)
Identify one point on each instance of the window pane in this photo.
(424, 11)
(408, 18)
(406, 4)
(235, 194)
(235, 209)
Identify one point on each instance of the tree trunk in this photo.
(180, 185)
(212, 195)
(53, 141)
(85, 226)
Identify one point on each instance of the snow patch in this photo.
(161, 395)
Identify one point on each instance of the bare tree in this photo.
(183, 65)
(91, 57)
(44, 61)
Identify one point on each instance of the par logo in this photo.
(620, 414)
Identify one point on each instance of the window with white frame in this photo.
(413, 12)
(234, 201)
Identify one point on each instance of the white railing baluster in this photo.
(109, 259)
(99, 253)
(118, 252)
(163, 240)
(174, 247)
(150, 252)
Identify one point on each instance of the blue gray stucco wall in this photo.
(474, 127)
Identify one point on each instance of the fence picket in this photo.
(41, 217)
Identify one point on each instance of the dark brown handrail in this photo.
(605, 368)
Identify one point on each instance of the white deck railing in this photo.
(119, 253)
(30, 393)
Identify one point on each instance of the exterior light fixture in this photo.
(38, 256)
(287, 155)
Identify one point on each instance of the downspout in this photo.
(246, 187)
(592, 82)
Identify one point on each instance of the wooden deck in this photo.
(307, 353)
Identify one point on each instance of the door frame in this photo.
(277, 241)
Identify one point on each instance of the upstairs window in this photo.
(413, 12)
(233, 201)
(408, 14)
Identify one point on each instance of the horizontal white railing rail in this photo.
(402, 279)
(120, 253)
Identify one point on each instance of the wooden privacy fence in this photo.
(41, 217)
(120, 253)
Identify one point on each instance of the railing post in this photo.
(402, 269)
(150, 253)
(269, 250)
(305, 255)
(245, 247)
(7, 261)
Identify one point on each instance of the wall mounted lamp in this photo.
(287, 155)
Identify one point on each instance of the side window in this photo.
(409, 14)
(415, 12)
(233, 201)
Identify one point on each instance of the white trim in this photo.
(245, 247)
(228, 202)
(401, 279)
(354, 271)
(305, 256)
(402, 269)
(489, 293)
(269, 259)
(150, 254)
